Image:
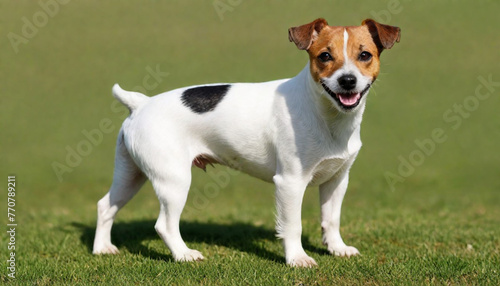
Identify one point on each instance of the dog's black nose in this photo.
(347, 81)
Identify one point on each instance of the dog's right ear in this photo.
(304, 35)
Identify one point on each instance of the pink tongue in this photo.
(349, 99)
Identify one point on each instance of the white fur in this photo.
(289, 132)
(346, 40)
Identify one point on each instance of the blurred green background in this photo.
(59, 60)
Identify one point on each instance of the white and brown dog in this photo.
(298, 132)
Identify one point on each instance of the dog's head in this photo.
(344, 61)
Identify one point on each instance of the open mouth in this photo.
(346, 100)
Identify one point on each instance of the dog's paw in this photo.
(344, 251)
(190, 255)
(302, 261)
(106, 249)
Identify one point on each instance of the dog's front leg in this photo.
(289, 195)
(331, 196)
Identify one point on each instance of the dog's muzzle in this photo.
(348, 100)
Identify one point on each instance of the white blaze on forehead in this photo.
(346, 38)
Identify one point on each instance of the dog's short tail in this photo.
(130, 99)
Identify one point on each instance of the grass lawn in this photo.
(423, 205)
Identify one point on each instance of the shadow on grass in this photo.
(238, 236)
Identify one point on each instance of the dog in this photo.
(297, 132)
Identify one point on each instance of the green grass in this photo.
(440, 226)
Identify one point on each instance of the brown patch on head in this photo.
(325, 45)
(360, 41)
(331, 40)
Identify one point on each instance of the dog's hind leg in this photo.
(127, 180)
(172, 188)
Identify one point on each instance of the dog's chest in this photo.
(325, 170)
(342, 154)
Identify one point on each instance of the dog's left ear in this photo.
(384, 36)
(304, 35)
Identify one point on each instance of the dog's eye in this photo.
(365, 56)
(325, 56)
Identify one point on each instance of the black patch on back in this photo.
(204, 98)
